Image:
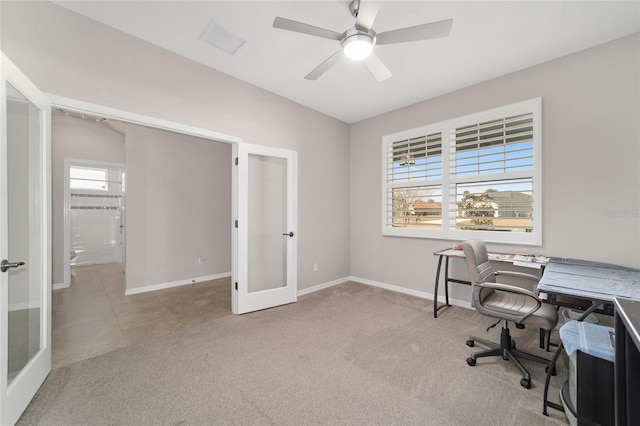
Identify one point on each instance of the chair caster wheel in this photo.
(553, 372)
(525, 383)
(470, 343)
(471, 361)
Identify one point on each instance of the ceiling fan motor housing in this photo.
(358, 44)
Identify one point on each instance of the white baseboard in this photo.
(323, 286)
(154, 287)
(410, 292)
(390, 287)
(59, 286)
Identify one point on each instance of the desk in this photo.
(589, 282)
(449, 253)
(596, 284)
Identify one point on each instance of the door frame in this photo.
(82, 107)
(77, 106)
(68, 162)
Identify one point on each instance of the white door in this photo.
(25, 279)
(265, 234)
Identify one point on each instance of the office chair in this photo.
(507, 303)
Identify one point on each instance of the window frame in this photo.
(105, 188)
(449, 180)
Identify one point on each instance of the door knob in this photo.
(290, 234)
(5, 265)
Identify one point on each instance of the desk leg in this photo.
(436, 308)
(545, 401)
(446, 280)
(435, 292)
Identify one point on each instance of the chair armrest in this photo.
(509, 289)
(517, 275)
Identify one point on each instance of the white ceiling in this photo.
(487, 40)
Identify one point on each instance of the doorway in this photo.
(148, 263)
(95, 219)
(178, 207)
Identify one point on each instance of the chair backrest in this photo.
(478, 265)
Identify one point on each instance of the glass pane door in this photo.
(267, 223)
(25, 278)
(265, 240)
(24, 230)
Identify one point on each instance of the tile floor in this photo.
(93, 316)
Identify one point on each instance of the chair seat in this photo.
(510, 303)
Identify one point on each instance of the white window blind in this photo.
(413, 159)
(412, 166)
(483, 182)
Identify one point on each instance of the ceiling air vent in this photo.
(217, 36)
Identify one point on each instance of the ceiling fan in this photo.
(358, 41)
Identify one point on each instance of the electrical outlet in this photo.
(315, 267)
(201, 260)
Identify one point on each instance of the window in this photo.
(472, 177)
(88, 178)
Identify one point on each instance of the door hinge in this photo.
(236, 161)
(236, 286)
(236, 223)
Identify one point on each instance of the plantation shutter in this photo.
(499, 146)
(418, 158)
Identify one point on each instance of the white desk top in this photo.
(526, 261)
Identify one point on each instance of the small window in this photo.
(88, 178)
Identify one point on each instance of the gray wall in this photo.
(80, 139)
(69, 55)
(178, 207)
(590, 163)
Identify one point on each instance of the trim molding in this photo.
(154, 287)
(323, 286)
(410, 292)
(390, 287)
(135, 118)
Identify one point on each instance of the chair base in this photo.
(507, 350)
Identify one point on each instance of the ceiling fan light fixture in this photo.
(358, 46)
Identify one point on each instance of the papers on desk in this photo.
(592, 280)
(530, 261)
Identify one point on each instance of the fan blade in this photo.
(419, 32)
(377, 67)
(323, 67)
(367, 13)
(299, 27)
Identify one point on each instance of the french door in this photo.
(265, 233)
(25, 278)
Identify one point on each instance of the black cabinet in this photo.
(627, 362)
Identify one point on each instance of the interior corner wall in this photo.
(72, 56)
(178, 207)
(590, 165)
(79, 139)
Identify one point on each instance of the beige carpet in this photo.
(350, 354)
